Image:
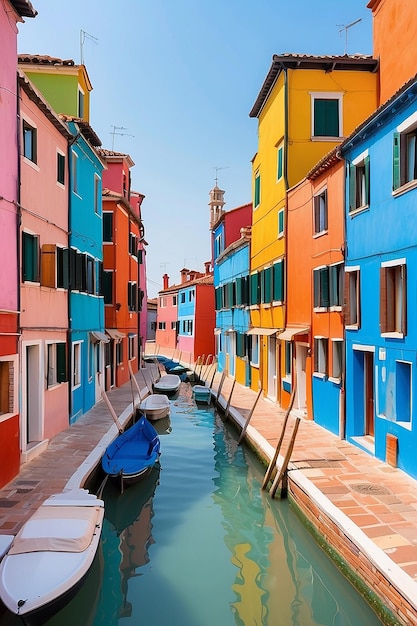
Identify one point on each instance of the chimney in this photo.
(184, 273)
(207, 267)
(165, 281)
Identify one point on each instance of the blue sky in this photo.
(180, 77)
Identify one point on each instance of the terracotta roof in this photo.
(36, 97)
(24, 8)
(112, 155)
(85, 128)
(321, 166)
(326, 63)
(107, 194)
(44, 59)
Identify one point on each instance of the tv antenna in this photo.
(217, 168)
(114, 132)
(83, 37)
(345, 27)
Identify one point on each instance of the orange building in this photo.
(394, 42)
(315, 258)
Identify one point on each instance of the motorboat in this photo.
(155, 406)
(168, 384)
(201, 393)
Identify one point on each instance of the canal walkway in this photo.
(363, 507)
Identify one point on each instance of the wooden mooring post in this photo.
(226, 414)
(219, 388)
(244, 429)
(282, 474)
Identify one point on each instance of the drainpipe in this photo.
(342, 401)
(285, 71)
(18, 248)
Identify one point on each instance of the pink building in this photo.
(11, 13)
(44, 271)
(167, 316)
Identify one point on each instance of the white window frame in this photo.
(327, 95)
(281, 232)
(396, 264)
(321, 356)
(317, 207)
(76, 364)
(357, 270)
(337, 349)
(255, 338)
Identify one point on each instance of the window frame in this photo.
(257, 190)
(359, 183)
(352, 297)
(76, 364)
(321, 357)
(280, 161)
(401, 179)
(320, 213)
(30, 148)
(34, 275)
(60, 168)
(281, 223)
(330, 96)
(393, 298)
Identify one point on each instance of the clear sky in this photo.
(177, 78)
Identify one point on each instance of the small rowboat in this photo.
(168, 384)
(132, 455)
(51, 555)
(202, 393)
(155, 406)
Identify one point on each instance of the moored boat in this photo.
(168, 384)
(132, 455)
(201, 393)
(51, 555)
(155, 406)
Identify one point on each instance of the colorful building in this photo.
(314, 335)
(306, 106)
(230, 258)
(12, 13)
(122, 230)
(44, 257)
(196, 315)
(167, 316)
(380, 281)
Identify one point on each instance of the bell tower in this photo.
(216, 204)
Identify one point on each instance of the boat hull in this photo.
(36, 583)
(155, 407)
(168, 384)
(202, 394)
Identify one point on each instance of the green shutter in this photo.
(324, 287)
(61, 358)
(239, 298)
(316, 287)
(30, 257)
(230, 294)
(267, 285)
(278, 282)
(253, 295)
(218, 298)
(257, 190)
(280, 164)
(280, 222)
(396, 165)
(326, 117)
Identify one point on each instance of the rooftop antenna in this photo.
(83, 37)
(118, 128)
(345, 27)
(224, 167)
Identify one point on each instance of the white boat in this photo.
(51, 555)
(202, 393)
(170, 383)
(155, 406)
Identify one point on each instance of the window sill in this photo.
(266, 305)
(320, 234)
(336, 308)
(31, 163)
(320, 138)
(359, 209)
(319, 375)
(320, 309)
(352, 327)
(412, 184)
(278, 303)
(254, 364)
(393, 335)
(280, 235)
(6, 416)
(337, 381)
(254, 307)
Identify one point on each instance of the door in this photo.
(369, 393)
(300, 364)
(272, 367)
(232, 352)
(32, 402)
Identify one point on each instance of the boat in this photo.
(51, 555)
(202, 393)
(168, 384)
(132, 455)
(155, 406)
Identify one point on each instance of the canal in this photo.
(198, 543)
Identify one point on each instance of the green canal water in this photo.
(198, 543)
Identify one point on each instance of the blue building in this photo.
(231, 263)
(86, 303)
(381, 282)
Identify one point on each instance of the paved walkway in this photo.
(375, 503)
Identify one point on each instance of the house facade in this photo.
(167, 316)
(44, 262)
(11, 14)
(301, 117)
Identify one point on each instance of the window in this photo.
(162, 302)
(182, 298)
(60, 168)
(173, 325)
(62, 268)
(266, 285)
(30, 257)
(255, 288)
(257, 195)
(107, 226)
(8, 387)
(281, 218)
(161, 325)
(132, 296)
(254, 350)
(218, 245)
(76, 364)
(191, 295)
(321, 287)
(54, 266)
(320, 355)
(393, 298)
(153, 325)
(405, 152)
(359, 187)
(133, 245)
(174, 300)
(30, 148)
(403, 391)
(336, 285)
(241, 291)
(97, 195)
(280, 161)
(81, 98)
(337, 346)
(119, 352)
(327, 114)
(278, 281)
(56, 365)
(320, 212)
(288, 360)
(74, 173)
(108, 287)
(132, 346)
(90, 274)
(352, 297)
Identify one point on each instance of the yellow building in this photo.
(306, 106)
